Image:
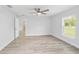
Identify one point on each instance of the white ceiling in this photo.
(27, 9)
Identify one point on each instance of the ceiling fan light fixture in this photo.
(39, 13)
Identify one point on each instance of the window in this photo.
(69, 26)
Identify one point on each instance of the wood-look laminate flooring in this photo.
(39, 45)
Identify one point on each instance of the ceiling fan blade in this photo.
(32, 12)
(44, 13)
(45, 10)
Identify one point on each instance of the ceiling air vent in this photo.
(9, 6)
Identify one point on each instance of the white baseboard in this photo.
(72, 42)
(37, 34)
(1, 48)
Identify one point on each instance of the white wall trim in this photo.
(74, 42)
(1, 48)
(36, 34)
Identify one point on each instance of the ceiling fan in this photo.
(38, 11)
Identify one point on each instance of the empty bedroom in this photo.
(39, 29)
